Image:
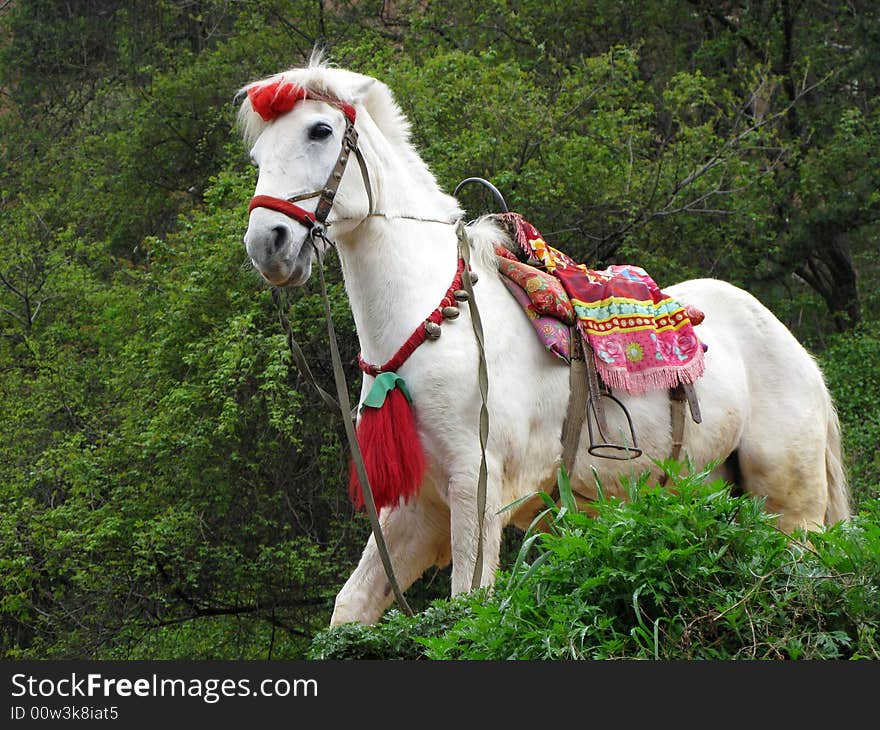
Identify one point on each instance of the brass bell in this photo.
(432, 329)
(460, 295)
(474, 277)
(449, 312)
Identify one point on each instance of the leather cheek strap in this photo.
(327, 194)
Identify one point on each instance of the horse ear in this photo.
(362, 88)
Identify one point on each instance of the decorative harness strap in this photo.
(430, 328)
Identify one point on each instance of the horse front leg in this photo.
(465, 530)
(417, 537)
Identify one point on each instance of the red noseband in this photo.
(307, 218)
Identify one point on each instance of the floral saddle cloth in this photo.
(641, 338)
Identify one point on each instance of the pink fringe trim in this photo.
(665, 377)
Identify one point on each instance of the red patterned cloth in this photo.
(272, 99)
(642, 338)
(543, 300)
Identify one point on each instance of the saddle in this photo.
(614, 328)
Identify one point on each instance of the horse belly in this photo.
(528, 398)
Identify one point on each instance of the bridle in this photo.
(316, 223)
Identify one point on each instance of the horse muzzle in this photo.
(278, 249)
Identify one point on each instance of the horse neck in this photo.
(399, 263)
(396, 272)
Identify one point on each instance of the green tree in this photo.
(169, 486)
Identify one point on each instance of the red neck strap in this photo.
(420, 333)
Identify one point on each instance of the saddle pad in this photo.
(544, 301)
(642, 338)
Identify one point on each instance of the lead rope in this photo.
(315, 223)
(342, 395)
(297, 353)
(357, 458)
(344, 411)
(464, 250)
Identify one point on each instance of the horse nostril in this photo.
(279, 238)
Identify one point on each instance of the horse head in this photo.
(300, 126)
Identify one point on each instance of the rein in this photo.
(341, 406)
(461, 289)
(357, 457)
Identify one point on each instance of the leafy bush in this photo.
(397, 637)
(690, 574)
(850, 365)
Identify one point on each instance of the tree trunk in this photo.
(828, 268)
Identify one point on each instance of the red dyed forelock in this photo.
(274, 98)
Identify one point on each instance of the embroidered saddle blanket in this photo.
(642, 339)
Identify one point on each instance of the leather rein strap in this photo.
(356, 456)
(483, 380)
(316, 224)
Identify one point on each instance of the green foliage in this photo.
(850, 365)
(690, 574)
(180, 474)
(170, 488)
(397, 636)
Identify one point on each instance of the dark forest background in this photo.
(169, 487)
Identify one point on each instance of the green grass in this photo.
(690, 574)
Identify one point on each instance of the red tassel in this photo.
(392, 452)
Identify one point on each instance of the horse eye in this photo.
(320, 130)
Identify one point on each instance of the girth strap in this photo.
(677, 399)
(585, 389)
(690, 394)
(577, 404)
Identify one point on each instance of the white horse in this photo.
(768, 419)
